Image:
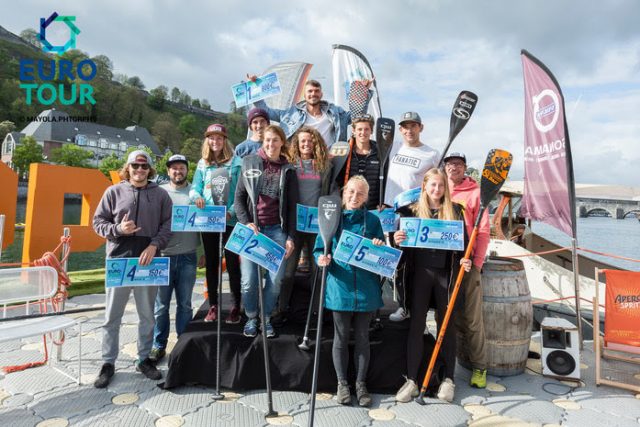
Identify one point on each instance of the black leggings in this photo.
(211, 242)
(342, 321)
(428, 283)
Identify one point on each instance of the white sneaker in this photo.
(446, 390)
(399, 315)
(408, 391)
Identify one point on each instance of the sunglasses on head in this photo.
(144, 166)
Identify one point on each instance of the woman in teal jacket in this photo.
(218, 168)
(353, 294)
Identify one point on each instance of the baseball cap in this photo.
(456, 155)
(139, 156)
(216, 128)
(410, 116)
(176, 158)
(257, 112)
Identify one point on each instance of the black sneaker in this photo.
(157, 354)
(148, 369)
(105, 375)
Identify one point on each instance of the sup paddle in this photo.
(385, 130)
(305, 344)
(220, 183)
(460, 115)
(252, 177)
(329, 215)
(494, 174)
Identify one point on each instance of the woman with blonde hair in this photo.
(218, 168)
(308, 154)
(430, 271)
(353, 294)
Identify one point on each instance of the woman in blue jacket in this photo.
(218, 168)
(353, 294)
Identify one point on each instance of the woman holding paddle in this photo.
(431, 272)
(215, 177)
(353, 294)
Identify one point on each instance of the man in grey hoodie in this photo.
(135, 218)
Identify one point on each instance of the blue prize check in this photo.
(248, 92)
(361, 252)
(387, 219)
(433, 233)
(406, 198)
(127, 272)
(307, 219)
(255, 247)
(212, 218)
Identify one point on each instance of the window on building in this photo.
(123, 146)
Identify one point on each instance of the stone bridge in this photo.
(600, 206)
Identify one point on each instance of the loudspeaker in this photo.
(560, 349)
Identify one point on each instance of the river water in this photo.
(619, 237)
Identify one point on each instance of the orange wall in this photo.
(45, 202)
(8, 201)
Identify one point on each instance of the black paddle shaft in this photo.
(329, 215)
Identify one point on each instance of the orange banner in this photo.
(8, 201)
(622, 307)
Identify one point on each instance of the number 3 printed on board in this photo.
(424, 234)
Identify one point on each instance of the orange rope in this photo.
(566, 248)
(48, 259)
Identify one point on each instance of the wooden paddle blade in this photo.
(252, 175)
(385, 131)
(494, 174)
(329, 215)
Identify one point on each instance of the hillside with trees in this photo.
(174, 118)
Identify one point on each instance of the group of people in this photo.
(297, 168)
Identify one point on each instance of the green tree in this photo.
(5, 128)
(31, 36)
(175, 94)
(205, 104)
(188, 125)
(161, 167)
(110, 163)
(157, 97)
(135, 82)
(192, 149)
(72, 155)
(26, 153)
(474, 174)
(196, 103)
(104, 66)
(165, 132)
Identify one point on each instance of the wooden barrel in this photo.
(507, 315)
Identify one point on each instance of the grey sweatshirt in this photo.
(150, 208)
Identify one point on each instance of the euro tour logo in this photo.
(50, 70)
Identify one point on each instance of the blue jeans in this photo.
(249, 281)
(182, 277)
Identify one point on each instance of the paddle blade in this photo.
(385, 131)
(329, 213)
(251, 175)
(358, 97)
(494, 174)
(461, 113)
(220, 184)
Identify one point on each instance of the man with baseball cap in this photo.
(465, 191)
(181, 251)
(407, 165)
(258, 120)
(135, 218)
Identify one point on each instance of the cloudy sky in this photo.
(422, 52)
